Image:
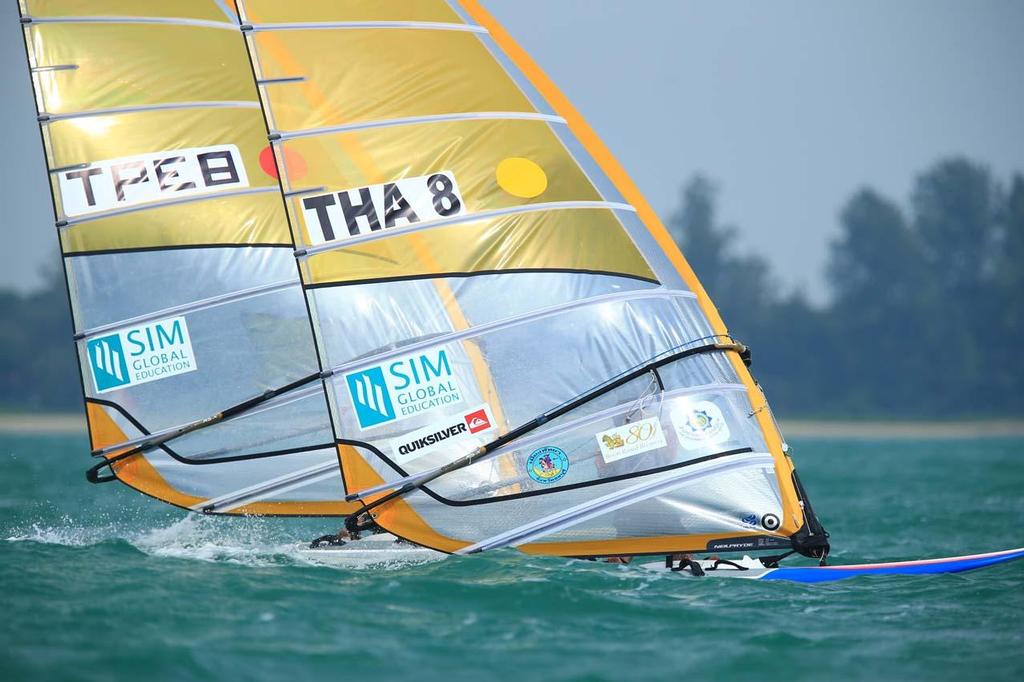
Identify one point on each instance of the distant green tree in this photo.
(741, 286)
(926, 317)
(38, 370)
(1007, 330)
(777, 328)
(957, 205)
(883, 309)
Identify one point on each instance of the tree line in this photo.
(925, 317)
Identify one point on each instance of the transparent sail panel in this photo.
(178, 254)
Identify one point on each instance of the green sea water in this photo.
(99, 582)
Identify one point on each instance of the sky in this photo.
(789, 106)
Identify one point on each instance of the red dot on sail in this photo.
(295, 165)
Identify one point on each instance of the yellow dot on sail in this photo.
(521, 177)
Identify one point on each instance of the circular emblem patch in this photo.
(700, 424)
(770, 521)
(547, 464)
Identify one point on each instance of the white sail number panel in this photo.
(364, 210)
(157, 176)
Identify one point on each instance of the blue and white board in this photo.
(752, 569)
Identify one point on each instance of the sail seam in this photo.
(285, 135)
(172, 21)
(201, 304)
(458, 220)
(169, 106)
(584, 484)
(178, 247)
(509, 322)
(477, 273)
(99, 215)
(330, 25)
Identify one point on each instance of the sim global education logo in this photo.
(109, 370)
(405, 387)
(137, 355)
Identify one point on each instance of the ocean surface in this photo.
(99, 582)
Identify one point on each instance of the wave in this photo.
(249, 541)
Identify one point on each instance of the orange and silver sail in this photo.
(376, 229)
(184, 292)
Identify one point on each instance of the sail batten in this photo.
(509, 322)
(169, 21)
(100, 215)
(169, 106)
(411, 120)
(331, 25)
(189, 307)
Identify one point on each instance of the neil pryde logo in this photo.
(406, 387)
(136, 355)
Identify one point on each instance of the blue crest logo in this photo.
(547, 464)
(749, 520)
(370, 396)
(700, 422)
(106, 357)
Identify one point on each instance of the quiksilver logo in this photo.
(431, 439)
(455, 435)
(478, 421)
